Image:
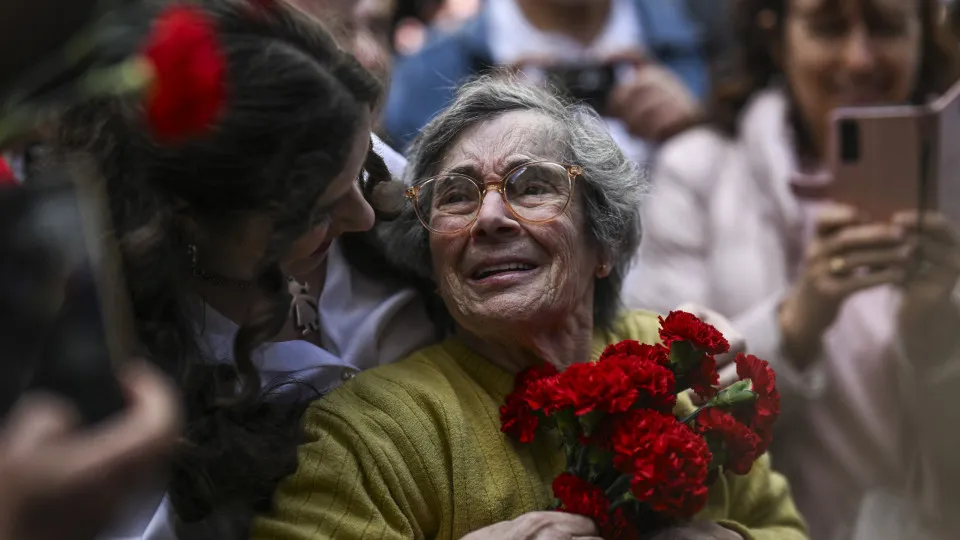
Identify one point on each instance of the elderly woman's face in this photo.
(503, 273)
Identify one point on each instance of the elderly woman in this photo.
(529, 214)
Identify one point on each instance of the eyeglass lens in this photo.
(534, 192)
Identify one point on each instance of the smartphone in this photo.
(893, 158)
(587, 83)
(66, 322)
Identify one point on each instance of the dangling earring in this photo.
(303, 307)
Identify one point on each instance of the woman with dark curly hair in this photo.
(859, 336)
(233, 251)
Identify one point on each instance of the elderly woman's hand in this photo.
(540, 526)
(846, 256)
(929, 317)
(698, 530)
(64, 483)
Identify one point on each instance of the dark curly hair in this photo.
(755, 66)
(294, 104)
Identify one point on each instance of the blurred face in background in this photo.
(362, 27)
(850, 52)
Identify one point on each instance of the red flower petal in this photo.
(668, 461)
(188, 90)
(762, 414)
(578, 496)
(683, 326)
(742, 445)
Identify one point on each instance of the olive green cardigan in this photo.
(414, 450)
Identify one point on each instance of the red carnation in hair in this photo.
(683, 326)
(188, 89)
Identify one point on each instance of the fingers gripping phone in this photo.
(65, 318)
(889, 159)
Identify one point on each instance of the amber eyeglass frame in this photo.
(413, 194)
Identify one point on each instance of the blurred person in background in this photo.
(864, 339)
(362, 28)
(655, 48)
(49, 466)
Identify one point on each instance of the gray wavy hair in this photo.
(613, 185)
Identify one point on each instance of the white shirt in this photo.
(364, 323)
(513, 38)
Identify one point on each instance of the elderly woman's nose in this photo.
(494, 218)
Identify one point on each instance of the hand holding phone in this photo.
(65, 320)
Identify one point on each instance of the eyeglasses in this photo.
(535, 192)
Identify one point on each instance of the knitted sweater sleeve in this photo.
(363, 474)
(761, 507)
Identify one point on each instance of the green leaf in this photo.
(735, 394)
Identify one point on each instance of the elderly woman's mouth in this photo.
(501, 271)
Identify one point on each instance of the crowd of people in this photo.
(326, 347)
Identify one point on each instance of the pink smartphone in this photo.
(893, 158)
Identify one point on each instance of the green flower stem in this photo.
(128, 77)
(620, 485)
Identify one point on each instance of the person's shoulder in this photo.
(423, 377)
(694, 154)
(637, 325)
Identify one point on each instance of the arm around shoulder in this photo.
(357, 476)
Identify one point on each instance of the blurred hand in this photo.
(846, 256)
(540, 526)
(63, 482)
(654, 104)
(698, 530)
(725, 365)
(928, 316)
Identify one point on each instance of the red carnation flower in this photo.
(762, 413)
(577, 496)
(654, 353)
(188, 89)
(652, 384)
(614, 385)
(742, 445)
(518, 414)
(683, 326)
(667, 460)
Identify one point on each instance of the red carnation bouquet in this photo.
(632, 465)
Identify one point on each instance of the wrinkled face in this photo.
(340, 208)
(501, 274)
(850, 52)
